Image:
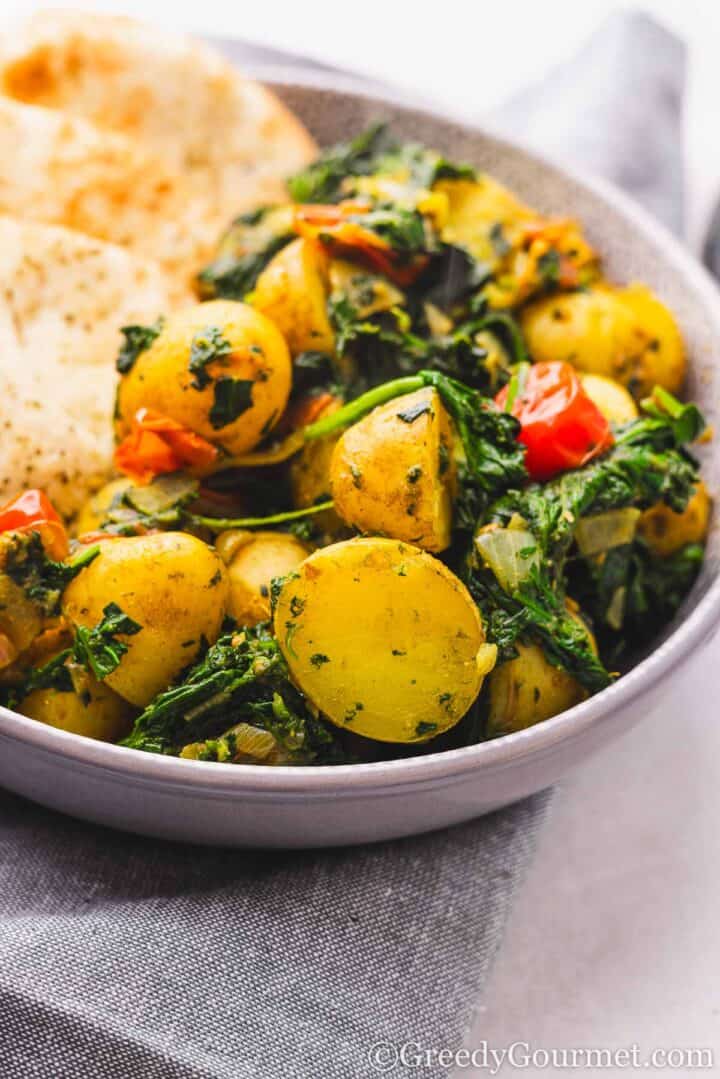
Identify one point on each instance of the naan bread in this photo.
(179, 98)
(59, 169)
(63, 297)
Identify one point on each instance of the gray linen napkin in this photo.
(135, 959)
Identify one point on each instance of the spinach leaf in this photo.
(206, 346)
(233, 396)
(243, 253)
(98, 649)
(42, 580)
(137, 340)
(322, 180)
(243, 677)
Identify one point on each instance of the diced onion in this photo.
(510, 553)
(597, 534)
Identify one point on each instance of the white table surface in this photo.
(615, 937)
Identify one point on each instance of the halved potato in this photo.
(383, 639)
(393, 472)
(292, 291)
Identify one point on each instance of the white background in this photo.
(615, 937)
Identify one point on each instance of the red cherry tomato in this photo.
(158, 444)
(561, 427)
(32, 511)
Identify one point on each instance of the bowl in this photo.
(241, 805)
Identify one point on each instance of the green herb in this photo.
(318, 659)
(244, 676)
(207, 346)
(42, 580)
(137, 339)
(245, 250)
(98, 649)
(322, 181)
(424, 728)
(233, 396)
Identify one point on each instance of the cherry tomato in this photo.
(158, 444)
(561, 427)
(32, 511)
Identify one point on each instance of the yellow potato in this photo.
(93, 710)
(254, 377)
(613, 400)
(475, 209)
(528, 690)
(624, 334)
(310, 473)
(252, 560)
(383, 639)
(665, 531)
(393, 472)
(93, 514)
(173, 585)
(292, 290)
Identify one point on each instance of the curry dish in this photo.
(406, 474)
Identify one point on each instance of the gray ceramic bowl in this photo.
(240, 805)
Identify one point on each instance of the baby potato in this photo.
(173, 585)
(94, 710)
(613, 400)
(93, 514)
(665, 531)
(293, 290)
(527, 690)
(383, 639)
(624, 334)
(393, 472)
(252, 560)
(475, 209)
(234, 399)
(310, 473)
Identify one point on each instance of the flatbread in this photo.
(63, 297)
(59, 169)
(179, 98)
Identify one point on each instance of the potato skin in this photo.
(624, 334)
(161, 378)
(292, 291)
(99, 713)
(528, 690)
(613, 400)
(92, 516)
(383, 639)
(173, 585)
(396, 476)
(252, 560)
(666, 532)
(310, 474)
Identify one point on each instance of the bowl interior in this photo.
(633, 247)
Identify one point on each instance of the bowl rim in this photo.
(137, 767)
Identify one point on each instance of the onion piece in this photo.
(600, 533)
(511, 553)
